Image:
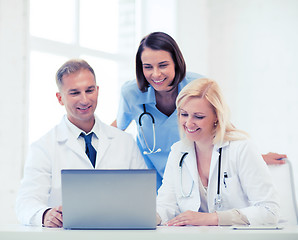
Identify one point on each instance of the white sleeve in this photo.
(257, 184)
(32, 198)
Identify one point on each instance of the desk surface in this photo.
(12, 232)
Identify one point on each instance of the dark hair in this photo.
(72, 66)
(160, 41)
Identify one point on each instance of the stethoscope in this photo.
(153, 129)
(218, 198)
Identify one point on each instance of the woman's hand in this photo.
(194, 218)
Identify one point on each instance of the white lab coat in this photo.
(247, 188)
(57, 150)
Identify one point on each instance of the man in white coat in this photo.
(64, 147)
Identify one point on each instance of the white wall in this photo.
(249, 47)
(13, 73)
(254, 54)
(193, 34)
(156, 15)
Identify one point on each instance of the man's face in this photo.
(79, 94)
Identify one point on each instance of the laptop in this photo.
(109, 199)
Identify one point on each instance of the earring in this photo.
(215, 124)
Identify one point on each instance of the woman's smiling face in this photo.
(197, 118)
(158, 68)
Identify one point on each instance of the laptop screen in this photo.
(109, 199)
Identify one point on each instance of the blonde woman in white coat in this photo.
(202, 186)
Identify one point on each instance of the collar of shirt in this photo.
(75, 131)
(146, 97)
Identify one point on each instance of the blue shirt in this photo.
(166, 128)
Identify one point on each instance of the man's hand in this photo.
(274, 158)
(53, 217)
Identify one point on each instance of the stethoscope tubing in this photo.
(181, 184)
(218, 200)
(154, 133)
(218, 173)
(145, 113)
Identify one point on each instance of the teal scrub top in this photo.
(166, 128)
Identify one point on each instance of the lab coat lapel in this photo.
(212, 181)
(64, 135)
(103, 144)
(213, 164)
(214, 160)
(213, 175)
(75, 147)
(104, 141)
(191, 163)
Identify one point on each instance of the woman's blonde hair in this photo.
(224, 130)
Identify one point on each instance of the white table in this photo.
(11, 232)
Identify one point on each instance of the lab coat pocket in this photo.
(232, 192)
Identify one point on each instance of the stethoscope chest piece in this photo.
(218, 202)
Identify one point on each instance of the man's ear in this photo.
(59, 97)
(97, 90)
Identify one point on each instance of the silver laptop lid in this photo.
(109, 199)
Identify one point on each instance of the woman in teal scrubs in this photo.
(161, 74)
